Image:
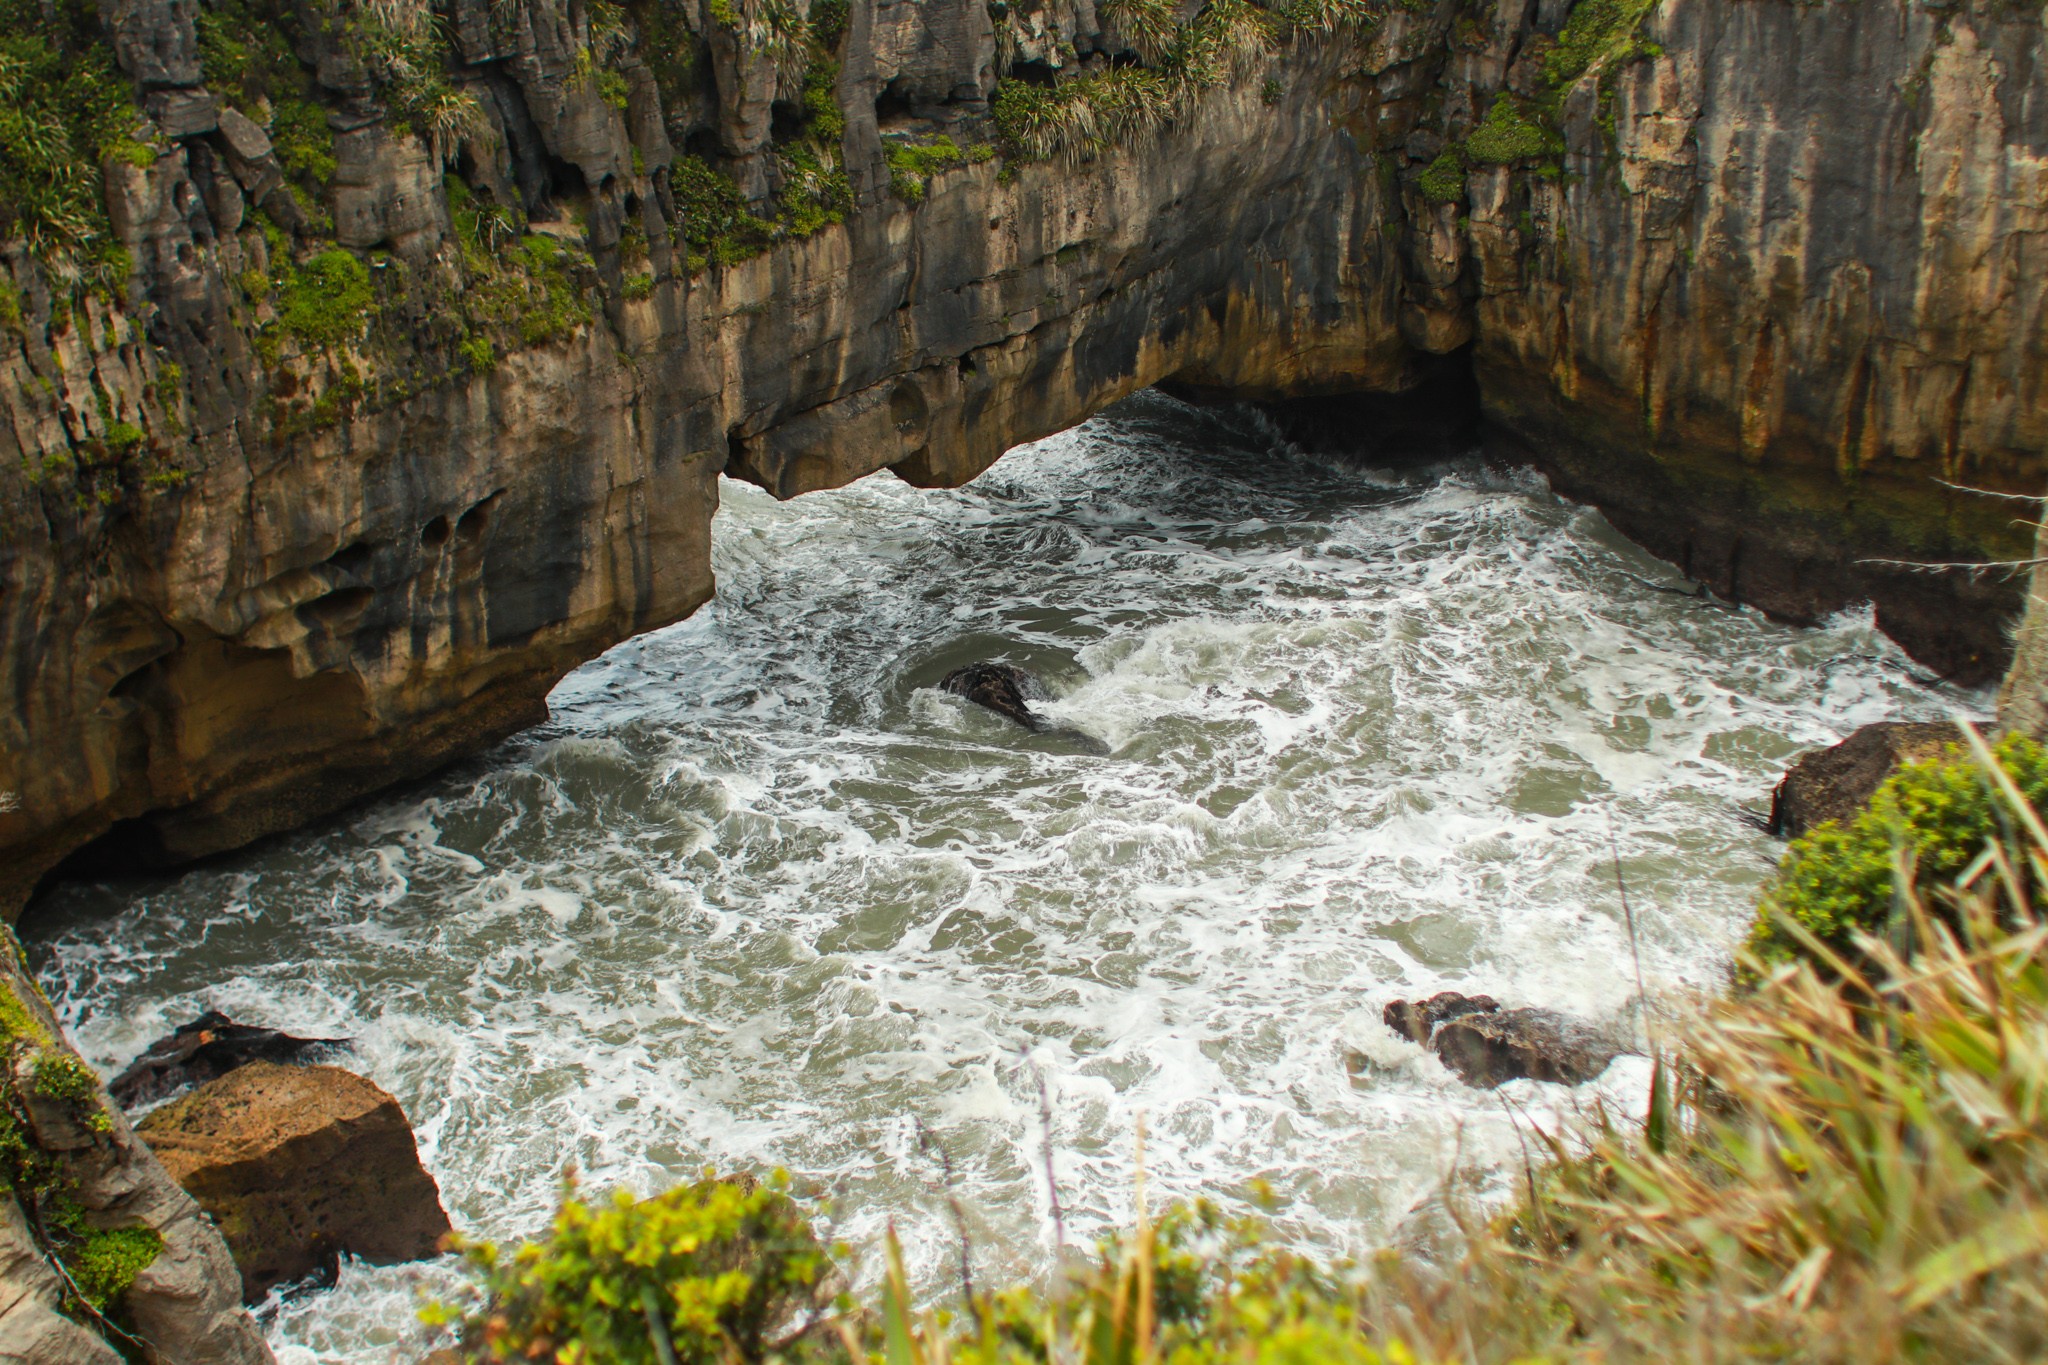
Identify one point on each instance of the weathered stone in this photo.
(1760, 373)
(1002, 688)
(1417, 1020)
(185, 1304)
(206, 1049)
(184, 113)
(297, 1165)
(1836, 782)
(1490, 1047)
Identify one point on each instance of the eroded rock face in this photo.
(296, 1165)
(1781, 276)
(1837, 782)
(184, 1304)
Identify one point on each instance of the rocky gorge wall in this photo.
(391, 374)
(409, 384)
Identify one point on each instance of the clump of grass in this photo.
(64, 109)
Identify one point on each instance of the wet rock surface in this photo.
(207, 1048)
(1487, 1046)
(1837, 782)
(297, 1165)
(1002, 688)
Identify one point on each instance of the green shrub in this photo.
(1934, 818)
(327, 300)
(715, 216)
(912, 166)
(717, 1271)
(1443, 180)
(1509, 135)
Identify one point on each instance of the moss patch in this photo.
(1510, 134)
(913, 164)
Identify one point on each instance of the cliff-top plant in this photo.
(1932, 819)
(715, 1271)
(64, 109)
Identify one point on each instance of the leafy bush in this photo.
(710, 1272)
(1933, 819)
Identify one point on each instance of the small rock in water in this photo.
(1419, 1018)
(207, 1048)
(298, 1164)
(1487, 1045)
(1837, 782)
(1002, 688)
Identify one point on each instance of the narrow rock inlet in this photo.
(1533, 415)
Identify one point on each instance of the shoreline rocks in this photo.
(206, 1049)
(297, 1165)
(1837, 782)
(1487, 1046)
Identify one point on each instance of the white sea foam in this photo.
(760, 895)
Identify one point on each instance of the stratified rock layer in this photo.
(1769, 271)
(296, 1164)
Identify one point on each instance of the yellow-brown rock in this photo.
(297, 1164)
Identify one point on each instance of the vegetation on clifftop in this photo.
(1848, 1164)
(64, 110)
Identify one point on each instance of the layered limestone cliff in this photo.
(368, 364)
(431, 331)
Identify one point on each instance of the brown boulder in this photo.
(297, 1165)
(1837, 782)
(1487, 1049)
(1418, 1019)
(209, 1047)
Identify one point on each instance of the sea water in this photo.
(759, 895)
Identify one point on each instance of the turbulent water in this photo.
(761, 895)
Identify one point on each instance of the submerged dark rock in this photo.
(1837, 782)
(1002, 688)
(1487, 1045)
(206, 1049)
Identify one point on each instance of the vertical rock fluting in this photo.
(1751, 277)
(1789, 283)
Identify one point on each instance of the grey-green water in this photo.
(759, 895)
